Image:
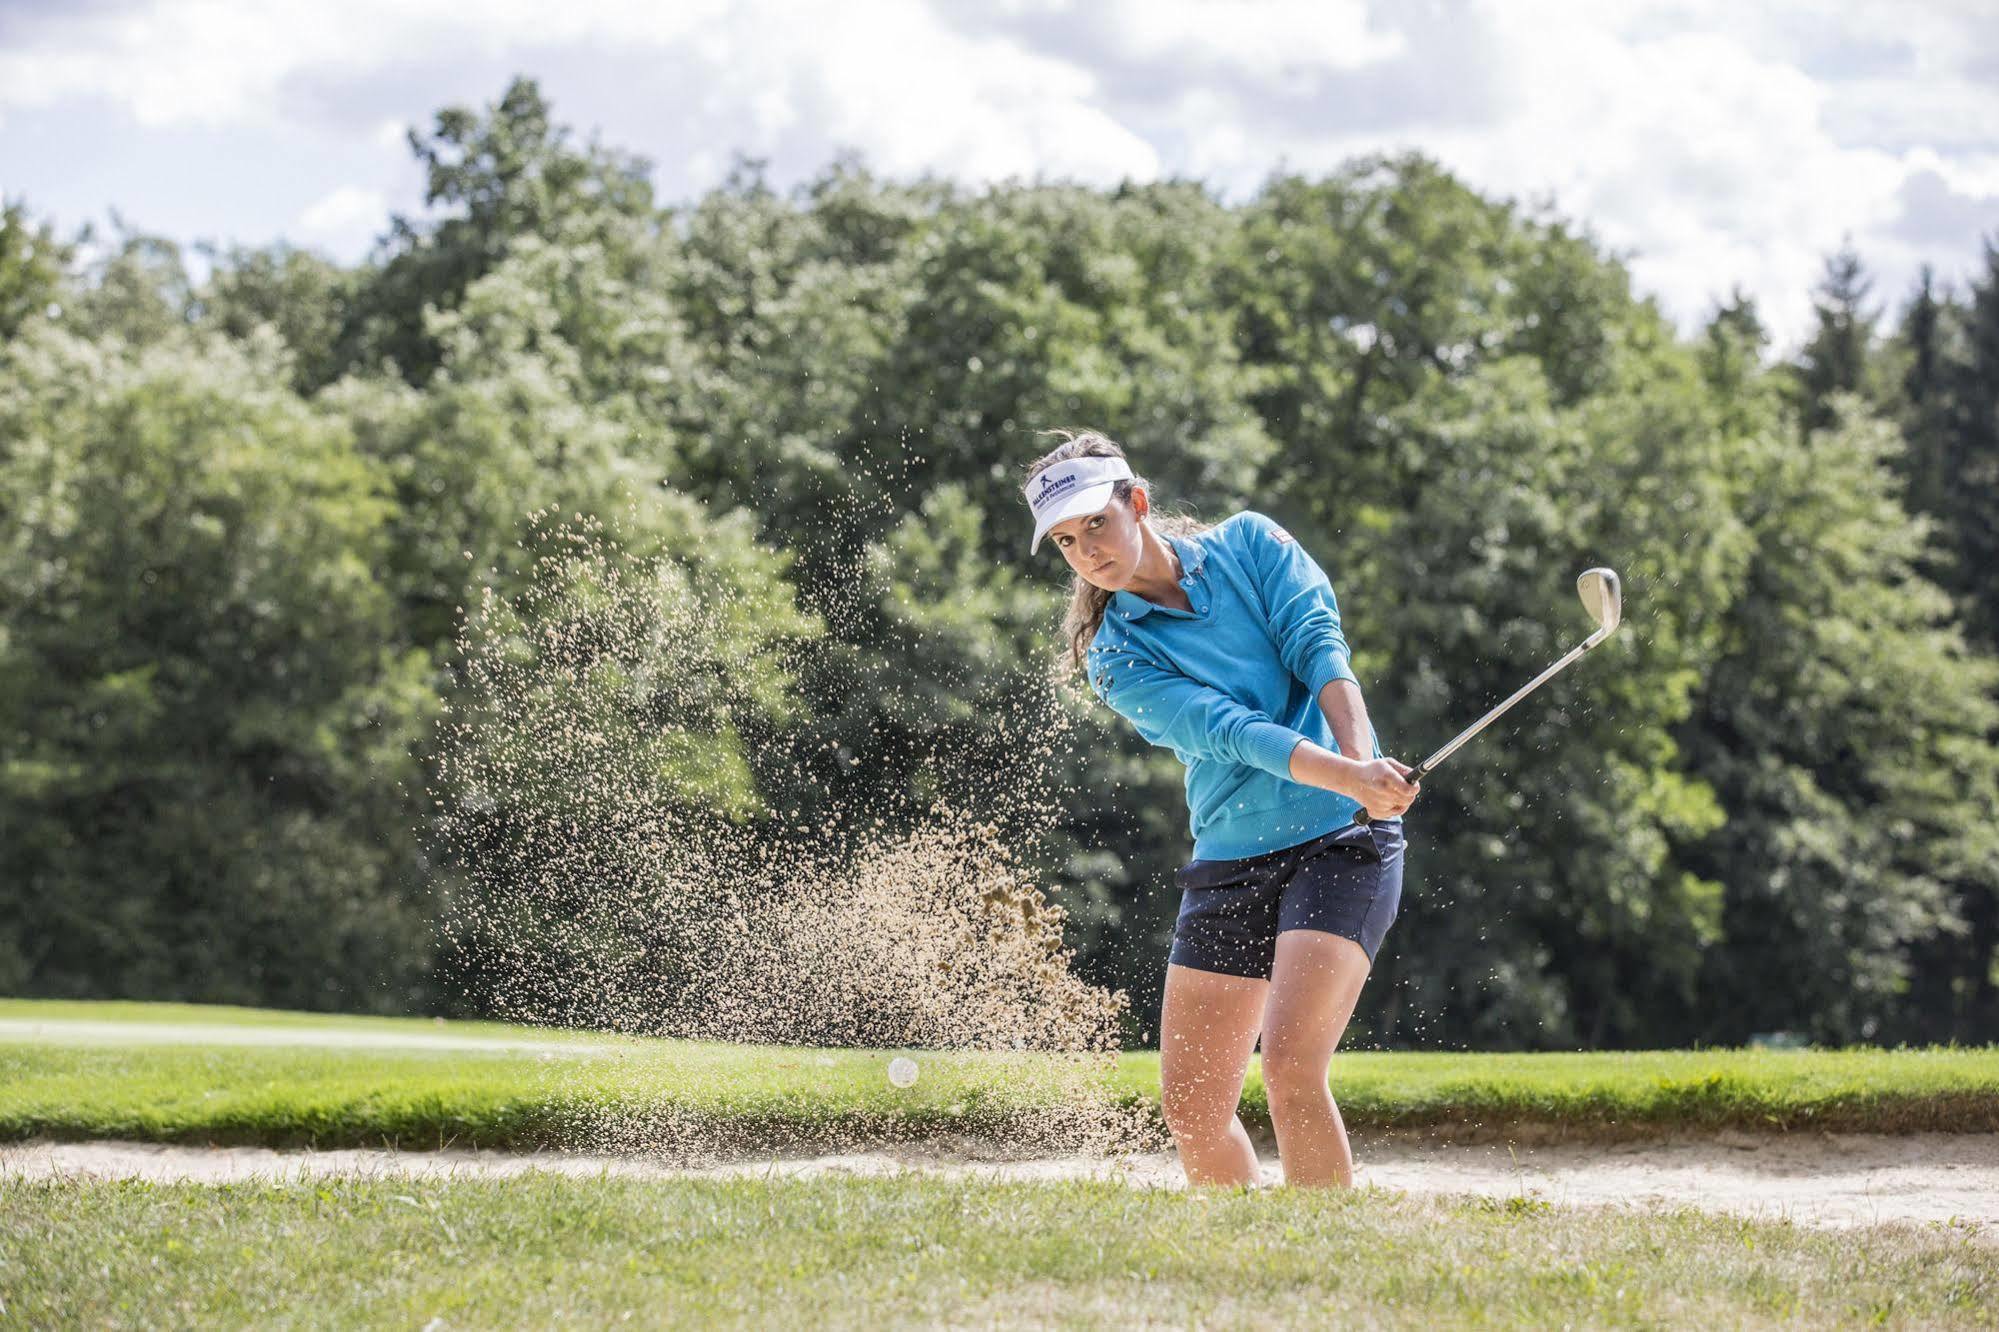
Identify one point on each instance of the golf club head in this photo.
(1603, 598)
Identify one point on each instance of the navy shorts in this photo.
(1347, 882)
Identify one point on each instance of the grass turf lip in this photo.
(536, 1096)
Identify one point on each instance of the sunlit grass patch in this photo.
(838, 1252)
(194, 1088)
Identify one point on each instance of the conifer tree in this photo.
(1835, 359)
(1925, 396)
(1974, 479)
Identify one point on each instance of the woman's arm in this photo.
(1175, 712)
(1346, 713)
(1298, 600)
(1305, 622)
(1376, 783)
(1178, 713)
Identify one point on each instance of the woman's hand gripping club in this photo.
(1384, 788)
(1380, 785)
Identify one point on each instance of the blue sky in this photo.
(1714, 143)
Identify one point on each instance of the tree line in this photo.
(241, 520)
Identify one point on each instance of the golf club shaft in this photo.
(1423, 769)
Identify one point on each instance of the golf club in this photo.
(1603, 597)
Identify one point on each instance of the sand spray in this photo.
(614, 870)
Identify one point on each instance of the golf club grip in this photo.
(1413, 776)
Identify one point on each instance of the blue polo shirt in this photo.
(1232, 685)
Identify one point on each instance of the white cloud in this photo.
(915, 94)
(346, 219)
(1711, 163)
(1276, 39)
(1705, 154)
(1720, 143)
(221, 62)
(888, 76)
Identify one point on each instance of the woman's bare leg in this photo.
(1314, 985)
(1206, 1032)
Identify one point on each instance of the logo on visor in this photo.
(1052, 487)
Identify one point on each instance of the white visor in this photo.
(1070, 489)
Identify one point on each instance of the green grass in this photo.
(564, 1089)
(848, 1252)
(227, 1015)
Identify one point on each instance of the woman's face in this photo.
(1104, 547)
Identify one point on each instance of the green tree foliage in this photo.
(1844, 728)
(1924, 348)
(1554, 843)
(298, 294)
(1765, 804)
(1838, 357)
(489, 180)
(1945, 357)
(1974, 518)
(138, 293)
(1948, 351)
(33, 264)
(1731, 352)
(207, 712)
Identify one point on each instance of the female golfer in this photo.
(1223, 644)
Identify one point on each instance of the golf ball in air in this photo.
(902, 1071)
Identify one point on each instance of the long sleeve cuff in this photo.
(1329, 667)
(1268, 746)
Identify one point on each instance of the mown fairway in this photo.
(908, 1250)
(530, 1088)
(848, 1252)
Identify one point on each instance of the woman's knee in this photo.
(1195, 1111)
(1295, 1074)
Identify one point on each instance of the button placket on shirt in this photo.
(1189, 583)
(1195, 600)
(1195, 597)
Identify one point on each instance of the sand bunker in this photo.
(1820, 1179)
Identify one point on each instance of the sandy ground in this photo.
(1819, 1179)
